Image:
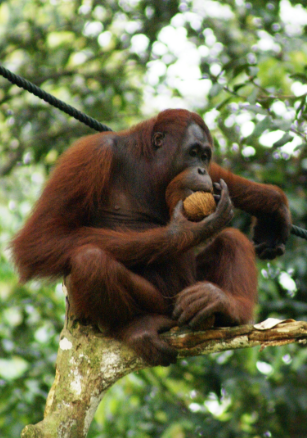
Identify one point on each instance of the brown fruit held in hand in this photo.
(199, 205)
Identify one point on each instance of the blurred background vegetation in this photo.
(243, 67)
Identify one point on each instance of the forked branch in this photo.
(88, 363)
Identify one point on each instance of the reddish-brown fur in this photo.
(110, 220)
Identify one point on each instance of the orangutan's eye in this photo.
(193, 152)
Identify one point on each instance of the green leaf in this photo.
(257, 109)
(239, 69)
(283, 125)
(215, 89)
(223, 103)
(286, 138)
(266, 123)
(300, 77)
(238, 86)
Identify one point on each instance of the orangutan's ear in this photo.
(157, 139)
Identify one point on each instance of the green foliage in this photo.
(243, 67)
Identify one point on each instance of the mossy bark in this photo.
(89, 362)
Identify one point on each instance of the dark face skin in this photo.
(193, 159)
(184, 162)
(195, 154)
(194, 150)
(131, 200)
(196, 147)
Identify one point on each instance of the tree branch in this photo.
(89, 362)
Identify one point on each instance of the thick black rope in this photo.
(26, 85)
(89, 121)
(299, 232)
